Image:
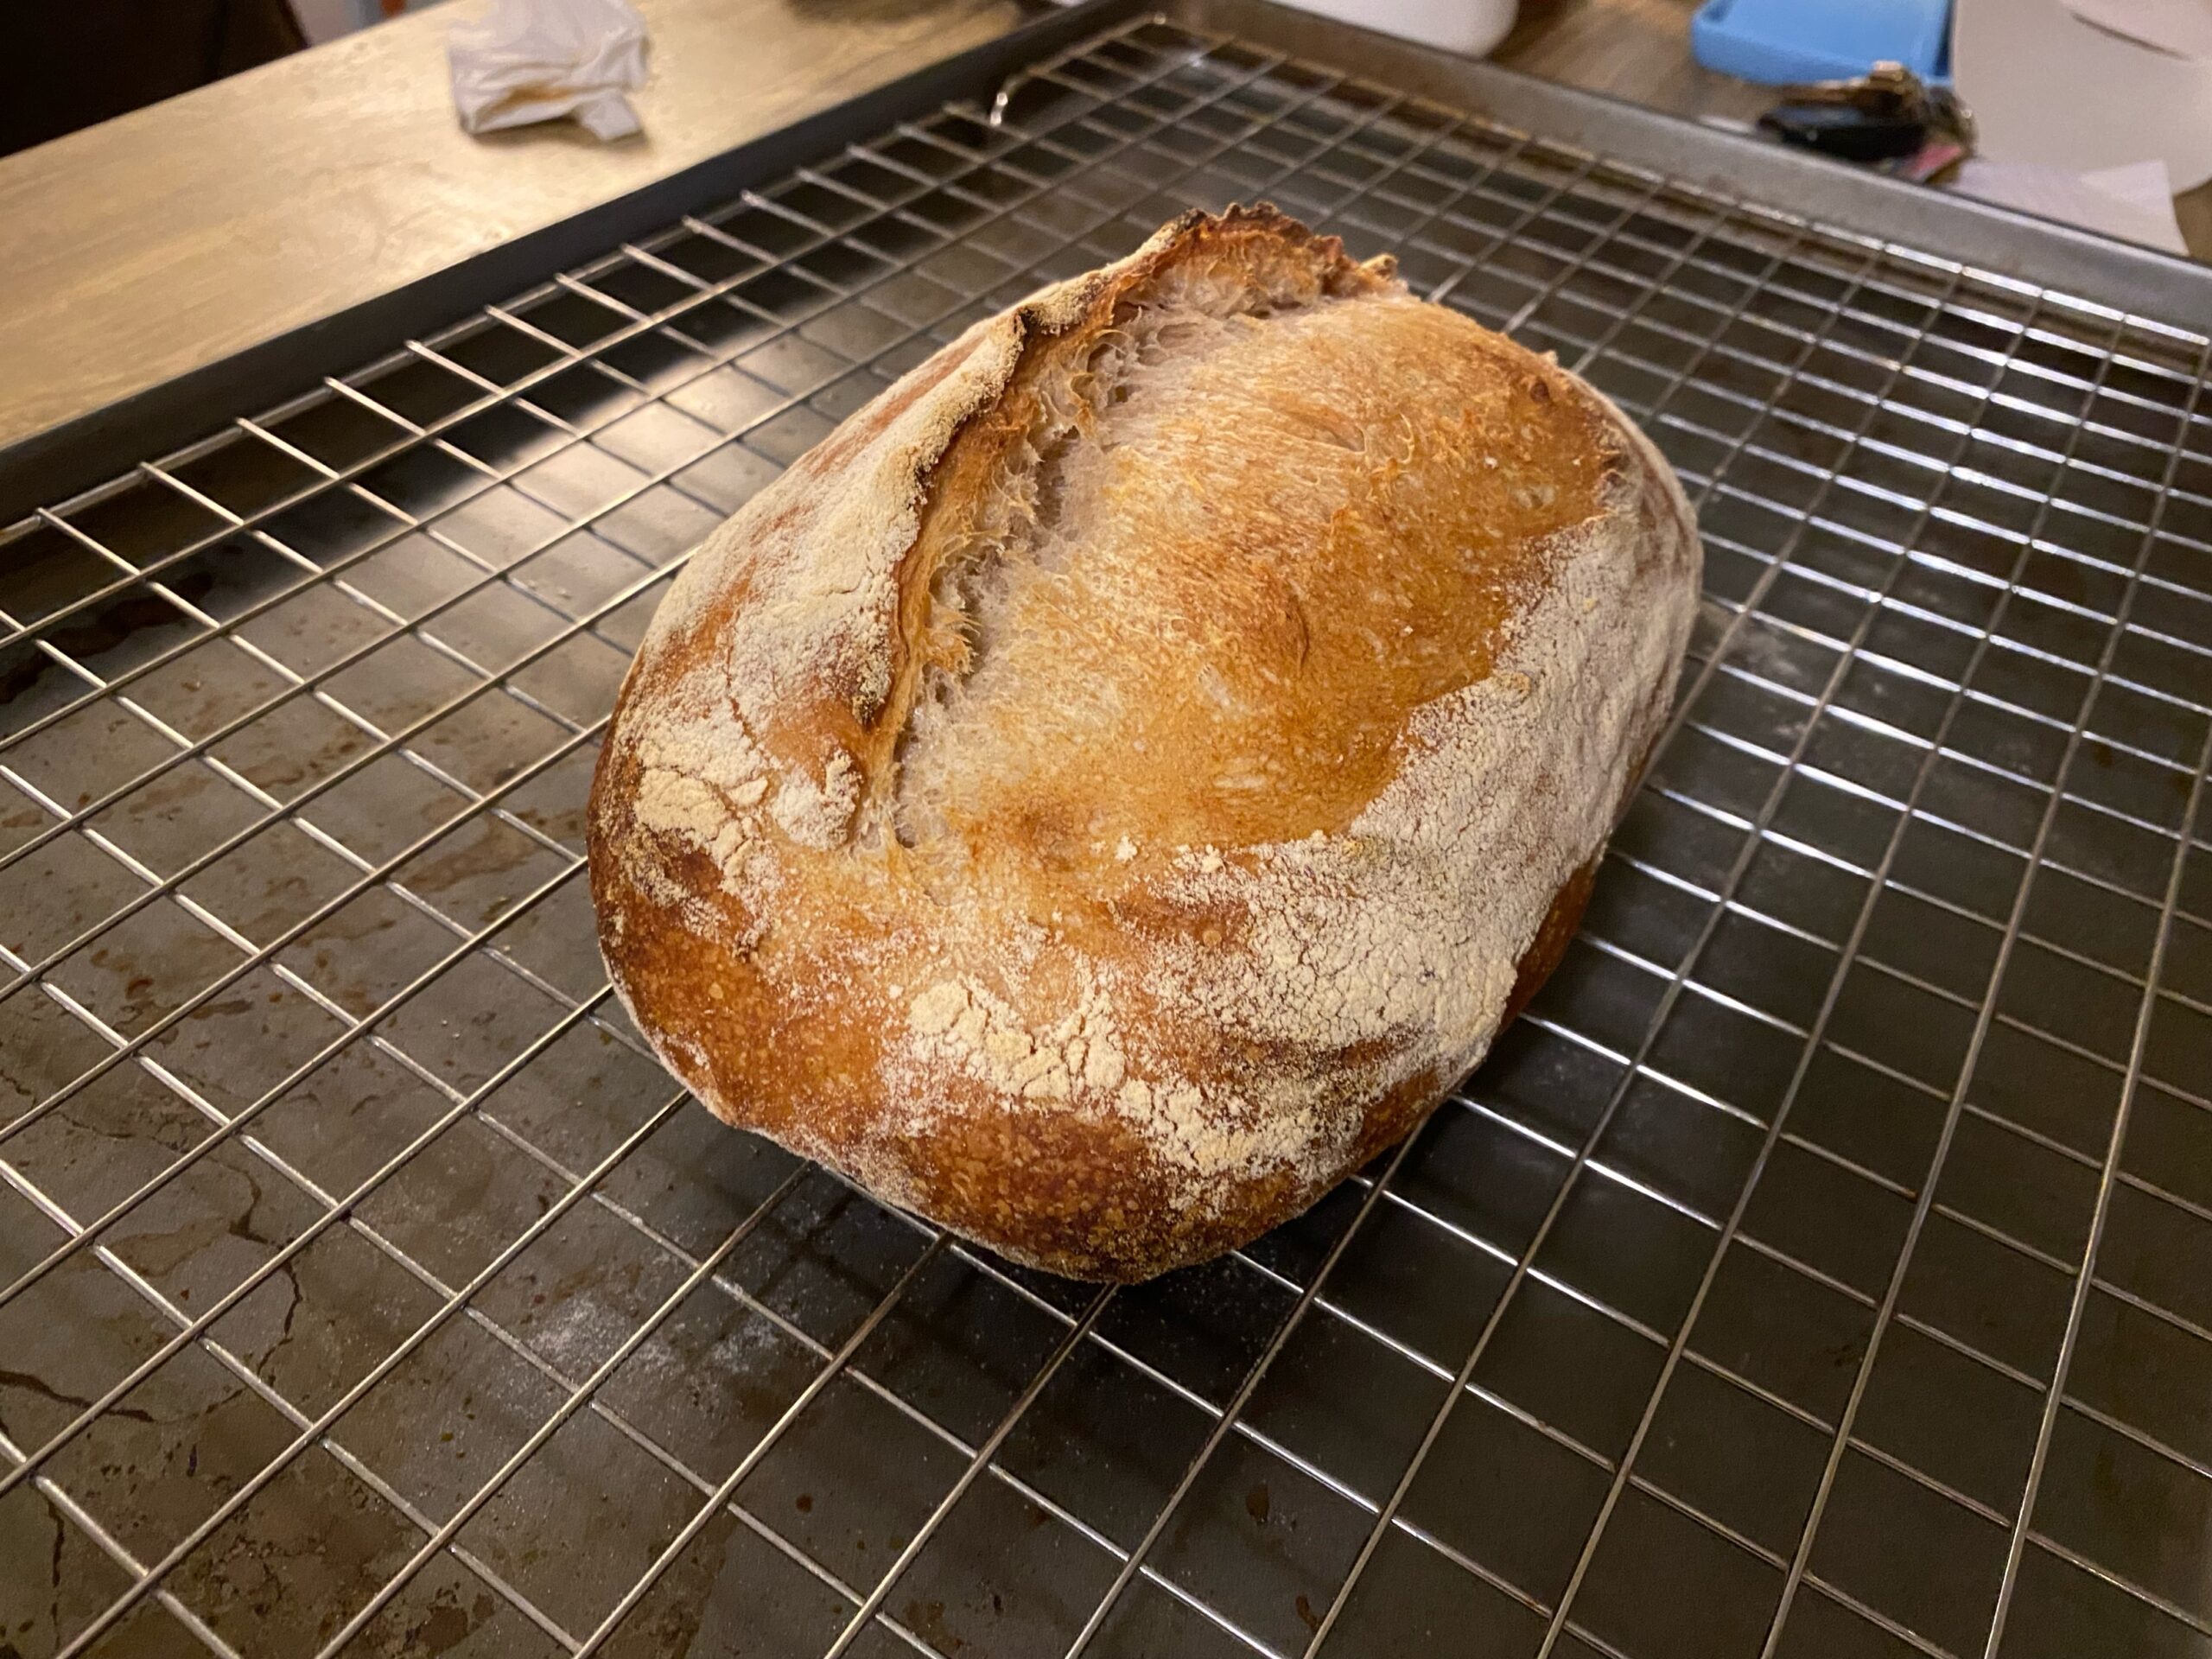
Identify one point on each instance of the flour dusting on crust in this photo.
(961, 1016)
(1408, 931)
(1401, 939)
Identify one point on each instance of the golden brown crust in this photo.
(1100, 794)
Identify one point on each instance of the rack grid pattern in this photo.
(1822, 1267)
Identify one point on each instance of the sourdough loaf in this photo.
(1106, 790)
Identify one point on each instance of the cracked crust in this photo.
(1100, 794)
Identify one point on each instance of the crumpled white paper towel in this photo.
(540, 60)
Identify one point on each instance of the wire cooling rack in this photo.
(1822, 1267)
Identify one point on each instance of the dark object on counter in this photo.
(1888, 113)
(78, 64)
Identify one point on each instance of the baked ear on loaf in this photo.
(1103, 793)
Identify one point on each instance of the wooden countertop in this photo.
(135, 250)
(1640, 50)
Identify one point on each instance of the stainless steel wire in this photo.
(1831, 1236)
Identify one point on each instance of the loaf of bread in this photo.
(1108, 788)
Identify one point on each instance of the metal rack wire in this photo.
(1821, 1267)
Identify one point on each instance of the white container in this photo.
(1471, 27)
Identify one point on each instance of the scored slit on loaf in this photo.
(1107, 789)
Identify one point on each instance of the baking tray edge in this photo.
(1751, 171)
(52, 465)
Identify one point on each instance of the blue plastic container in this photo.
(1778, 41)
